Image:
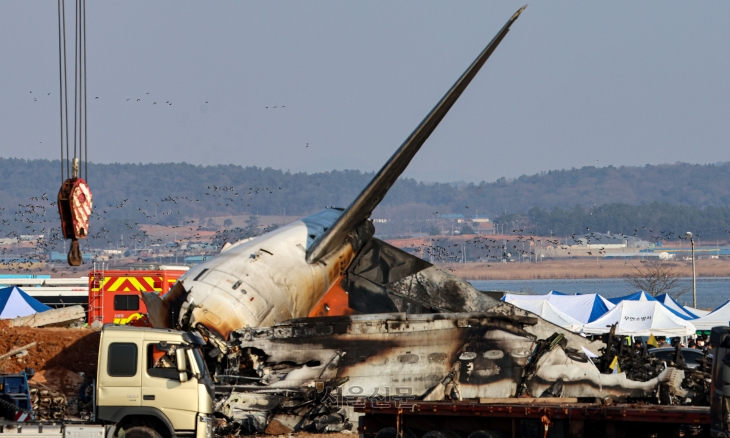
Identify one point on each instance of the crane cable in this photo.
(74, 197)
(80, 134)
(86, 134)
(80, 131)
(62, 84)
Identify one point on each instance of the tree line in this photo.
(657, 221)
(674, 196)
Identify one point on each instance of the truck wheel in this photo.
(486, 434)
(441, 434)
(141, 432)
(391, 432)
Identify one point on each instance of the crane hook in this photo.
(74, 207)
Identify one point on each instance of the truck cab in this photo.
(153, 383)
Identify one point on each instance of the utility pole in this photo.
(694, 273)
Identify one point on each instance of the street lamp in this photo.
(694, 274)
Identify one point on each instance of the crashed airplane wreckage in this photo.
(319, 311)
(300, 373)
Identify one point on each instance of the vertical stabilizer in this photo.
(365, 203)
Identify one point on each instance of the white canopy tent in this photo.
(641, 318)
(548, 312)
(718, 317)
(583, 308)
(508, 297)
(683, 311)
(674, 307)
(700, 313)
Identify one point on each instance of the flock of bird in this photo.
(487, 248)
(39, 221)
(145, 99)
(178, 225)
(521, 245)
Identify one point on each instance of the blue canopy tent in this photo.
(14, 303)
(638, 296)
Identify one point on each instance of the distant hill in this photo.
(169, 192)
(272, 190)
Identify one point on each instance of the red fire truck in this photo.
(115, 295)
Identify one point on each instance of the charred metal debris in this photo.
(308, 374)
(685, 385)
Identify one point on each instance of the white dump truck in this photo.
(150, 383)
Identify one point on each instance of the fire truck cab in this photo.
(115, 295)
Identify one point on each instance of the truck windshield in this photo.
(201, 363)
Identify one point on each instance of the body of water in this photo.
(711, 292)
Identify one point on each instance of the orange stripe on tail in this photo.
(335, 302)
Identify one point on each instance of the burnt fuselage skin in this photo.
(411, 355)
(263, 281)
(256, 282)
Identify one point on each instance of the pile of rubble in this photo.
(299, 375)
(684, 386)
(68, 317)
(57, 352)
(48, 404)
(305, 374)
(64, 361)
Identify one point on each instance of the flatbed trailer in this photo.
(528, 418)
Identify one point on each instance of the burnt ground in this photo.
(58, 358)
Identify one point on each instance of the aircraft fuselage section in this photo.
(265, 280)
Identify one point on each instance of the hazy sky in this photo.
(624, 83)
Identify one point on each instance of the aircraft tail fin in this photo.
(365, 203)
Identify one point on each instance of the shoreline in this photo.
(566, 269)
(581, 269)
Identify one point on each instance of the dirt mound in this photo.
(60, 379)
(58, 356)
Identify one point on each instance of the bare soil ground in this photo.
(58, 358)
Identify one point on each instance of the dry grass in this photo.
(576, 269)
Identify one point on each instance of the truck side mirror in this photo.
(182, 364)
